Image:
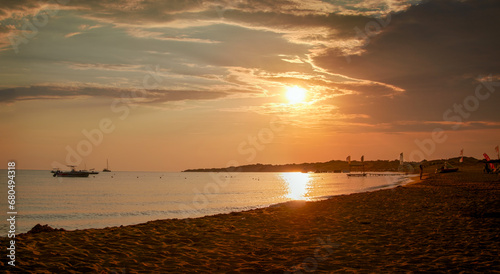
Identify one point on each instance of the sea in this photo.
(112, 199)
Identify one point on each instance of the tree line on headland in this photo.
(339, 166)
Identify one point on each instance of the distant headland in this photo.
(340, 166)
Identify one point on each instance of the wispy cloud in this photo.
(10, 95)
(72, 34)
(100, 66)
(159, 35)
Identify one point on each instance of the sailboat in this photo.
(107, 167)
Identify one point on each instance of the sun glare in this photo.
(297, 184)
(296, 94)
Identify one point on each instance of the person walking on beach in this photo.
(421, 171)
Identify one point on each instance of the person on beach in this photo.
(487, 168)
(421, 171)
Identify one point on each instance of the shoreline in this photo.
(444, 222)
(171, 213)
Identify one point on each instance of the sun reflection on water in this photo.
(298, 184)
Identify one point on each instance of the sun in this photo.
(296, 94)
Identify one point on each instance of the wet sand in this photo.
(448, 222)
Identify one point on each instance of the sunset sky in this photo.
(172, 85)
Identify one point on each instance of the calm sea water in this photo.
(123, 198)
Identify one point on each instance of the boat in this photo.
(107, 167)
(72, 173)
(92, 171)
(356, 174)
(447, 168)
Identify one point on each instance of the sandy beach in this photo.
(445, 223)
